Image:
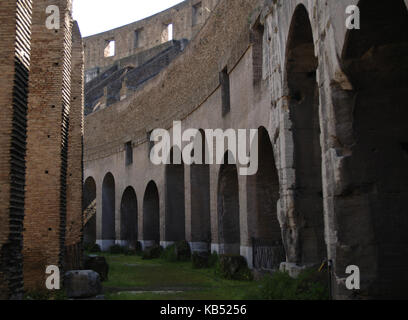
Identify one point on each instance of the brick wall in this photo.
(47, 143)
(151, 33)
(179, 89)
(15, 21)
(73, 238)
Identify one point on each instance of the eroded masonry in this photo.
(330, 107)
(41, 143)
(329, 103)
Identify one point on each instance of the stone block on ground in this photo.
(292, 269)
(183, 251)
(97, 264)
(152, 253)
(234, 267)
(201, 260)
(82, 284)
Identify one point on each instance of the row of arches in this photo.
(264, 222)
(128, 212)
(366, 201)
(370, 215)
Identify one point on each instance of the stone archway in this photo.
(175, 205)
(151, 215)
(371, 211)
(304, 115)
(229, 233)
(129, 218)
(263, 195)
(108, 211)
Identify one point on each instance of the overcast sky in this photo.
(95, 16)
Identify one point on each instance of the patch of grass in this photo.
(92, 248)
(310, 285)
(216, 293)
(132, 278)
(131, 273)
(169, 254)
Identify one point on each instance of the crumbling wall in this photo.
(15, 21)
(47, 144)
(73, 239)
(253, 42)
(152, 33)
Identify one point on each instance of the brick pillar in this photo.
(73, 237)
(47, 143)
(15, 22)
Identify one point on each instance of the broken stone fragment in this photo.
(82, 284)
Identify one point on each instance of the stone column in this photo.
(47, 143)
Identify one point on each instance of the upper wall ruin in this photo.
(104, 49)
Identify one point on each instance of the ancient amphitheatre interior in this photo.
(329, 104)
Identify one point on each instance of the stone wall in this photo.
(320, 92)
(152, 32)
(47, 144)
(15, 20)
(73, 239)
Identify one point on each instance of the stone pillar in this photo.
(47, 144)
(15, 21)
(75, 146)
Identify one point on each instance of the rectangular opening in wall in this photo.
(170, 32)
(91, 74)
(225, 91)
(138, 38)
(256, 38)
(167, 33)
(110, 48)
(129, 153)
(197, 14)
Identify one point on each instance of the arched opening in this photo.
(175, 207)
(151, 215)
(200, 198)
(128, 217)
(263, 196)
(89, 211)
(371, 213)
(228, 208)
(304, 114)
(108, 208)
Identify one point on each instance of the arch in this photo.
(129, 217)
(263, 195)
(175, 205)
(229, 233)
(89, 209)
(108, 208)
(371, 212)
(200, 197)
(304, 114)
(151, 214)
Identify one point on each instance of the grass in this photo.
(128, 275)
(132, 278)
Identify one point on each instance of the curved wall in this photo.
(250, 39)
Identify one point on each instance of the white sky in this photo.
(95, 16)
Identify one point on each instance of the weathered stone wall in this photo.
(47, 144)
(73, 239)
(15, 20)
(282, 56)
(152, 33)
